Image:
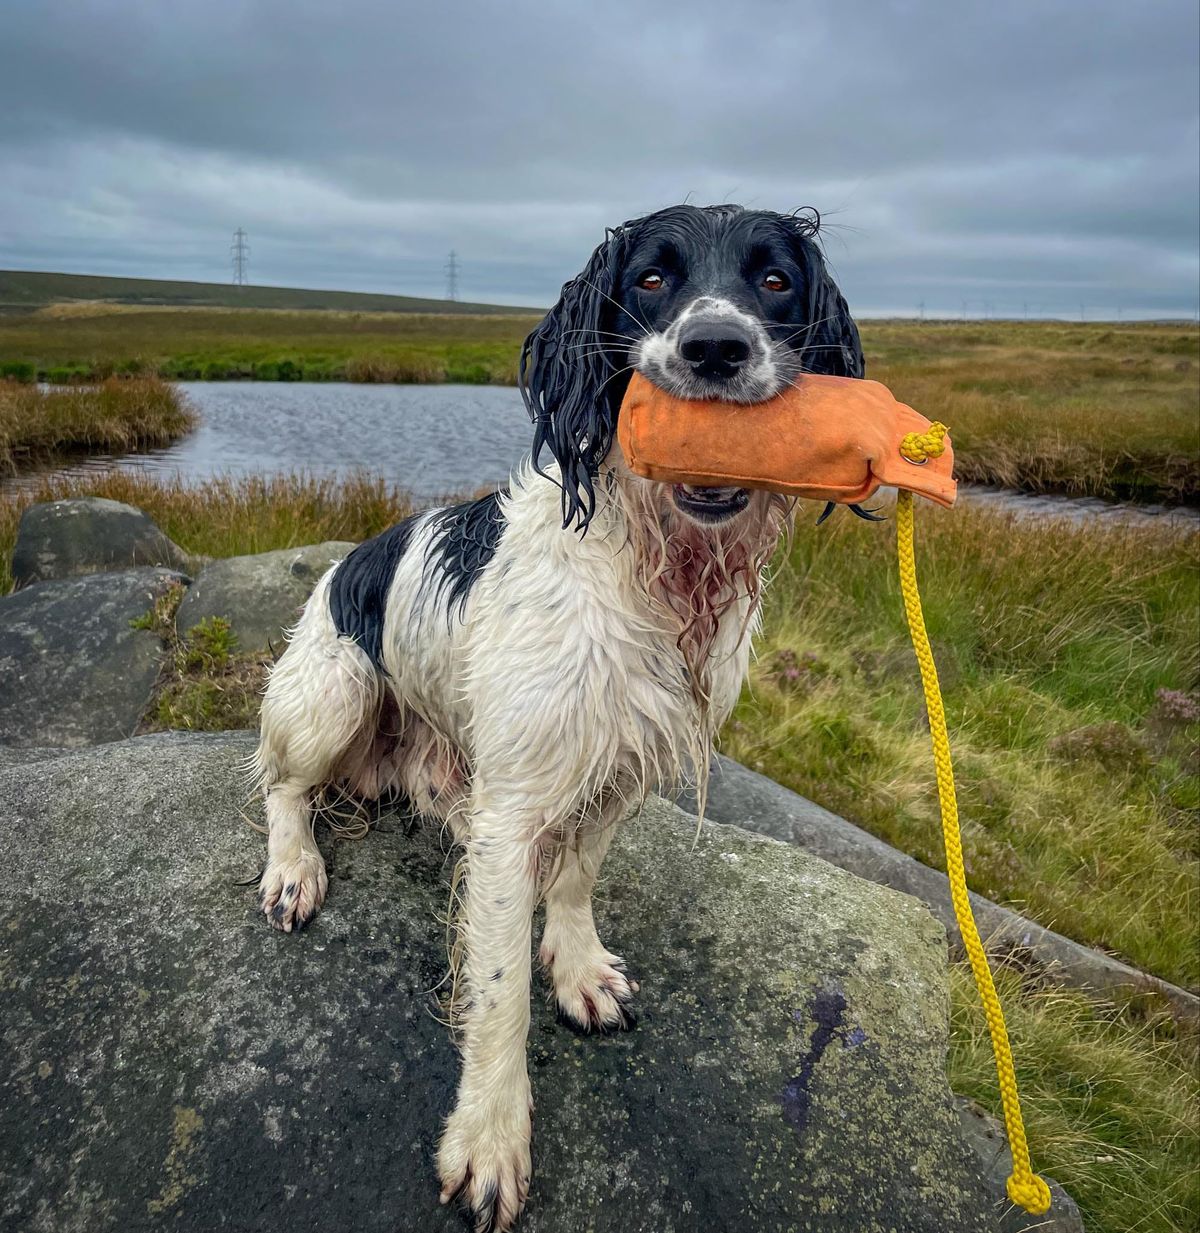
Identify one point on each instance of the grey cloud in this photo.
(1015, 153)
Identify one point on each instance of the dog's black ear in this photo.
(569, 379)
(831, 343)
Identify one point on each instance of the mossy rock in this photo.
(260, 595)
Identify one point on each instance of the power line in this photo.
(240, 253)
(452, 276)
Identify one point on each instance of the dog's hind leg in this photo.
(591, 988)
(322, 696)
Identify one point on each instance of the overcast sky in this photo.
(1043, 154)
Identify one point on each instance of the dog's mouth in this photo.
(710, 504)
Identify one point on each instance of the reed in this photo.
(39, 425)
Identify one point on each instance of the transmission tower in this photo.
(452, 276)
(239, 252)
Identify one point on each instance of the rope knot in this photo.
(919, 447)
(1029, 1192)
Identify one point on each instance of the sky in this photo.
(1028, 157)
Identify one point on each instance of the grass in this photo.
(1070, 661)
(1110, 1100)
(225, 517)
(1099, 410)
(261, 344)
(206, 684)
(39, 425)
(1072, 706)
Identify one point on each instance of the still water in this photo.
(430, 439)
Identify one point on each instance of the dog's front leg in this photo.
(484, 1152)
(591, 987)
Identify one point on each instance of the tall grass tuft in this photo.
(1110, 1099)
(117, 415)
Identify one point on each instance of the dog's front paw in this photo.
(483, 1159)
(594, 994)
(291, 892)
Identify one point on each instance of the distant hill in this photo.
(30, 289)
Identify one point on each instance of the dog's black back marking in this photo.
(465, 539)
(359, 588)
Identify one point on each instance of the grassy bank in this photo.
(226, 517)
(1070, 660)
(1091, 410)
(1099, 410)
(38, 426)
(74, 342)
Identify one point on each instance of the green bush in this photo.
(18, 370)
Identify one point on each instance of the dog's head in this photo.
(711, 302)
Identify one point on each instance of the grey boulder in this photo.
(259, 595)
(167, 1061)
(88, 535)
(73, 670)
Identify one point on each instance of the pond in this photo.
(430, 439)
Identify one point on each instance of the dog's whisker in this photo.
(621, 307)
(602, 334)
(783, 325)
(627, 368)
(602, 349)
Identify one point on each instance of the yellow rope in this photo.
(1024, 1187)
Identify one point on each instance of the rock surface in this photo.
(88, 535)
(742, 797)
(167, 1061)
(260, 595)
(72, 670)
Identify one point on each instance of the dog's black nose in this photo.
(715, 348)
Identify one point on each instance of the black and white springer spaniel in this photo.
(528, 666)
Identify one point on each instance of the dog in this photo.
(528, 666)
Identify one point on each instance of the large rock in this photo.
(170, 1062)
(88, 535)
(73, 670)
(260, 595)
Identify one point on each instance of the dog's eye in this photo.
(774, 280)
(651, 280)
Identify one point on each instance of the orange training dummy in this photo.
(826, 438)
